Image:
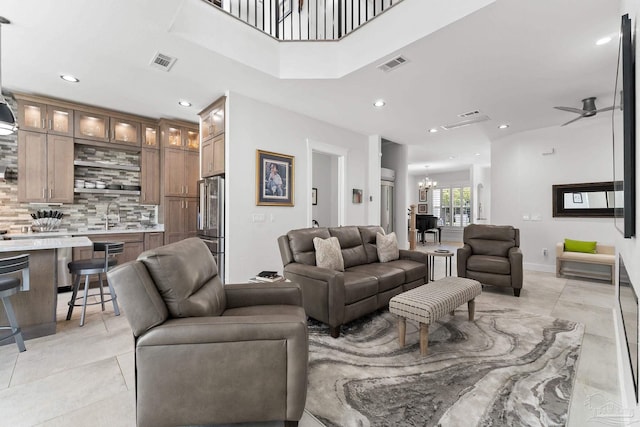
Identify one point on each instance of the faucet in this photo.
(106, 216)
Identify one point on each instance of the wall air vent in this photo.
(393, 64)
(162, 61)
(467, 122)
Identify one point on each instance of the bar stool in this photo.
(9, 286)
(87, 267)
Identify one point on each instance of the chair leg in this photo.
(334, 331)
(290, 424)
(84, 301)
(76, 286)
(114, 297)
(516, 292)
(101, 291)
(13, 321)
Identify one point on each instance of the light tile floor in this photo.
(85, 376)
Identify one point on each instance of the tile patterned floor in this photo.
(84, 376)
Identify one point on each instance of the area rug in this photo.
(507, 368)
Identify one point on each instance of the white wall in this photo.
(521, 180)
(481, 194)
(252, 125)
(325, 180)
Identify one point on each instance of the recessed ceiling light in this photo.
(503, 126)
(452, 157)
(433, 130)
(603, 40)
(379, 103)
(184, 103)
(69, 78)
(477, 154)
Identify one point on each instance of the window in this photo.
(452, 206)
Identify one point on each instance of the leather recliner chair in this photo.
(491, 255)
(207, 353)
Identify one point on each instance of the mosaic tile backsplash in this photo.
(89, 209)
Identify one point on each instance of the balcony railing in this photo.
(290, 20)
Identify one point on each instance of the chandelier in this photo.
(426, 184)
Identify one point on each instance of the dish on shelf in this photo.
(131, 187)
(114, 187)
(101, 186)
(89, 184)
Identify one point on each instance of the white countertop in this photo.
(39, 244)
(158, 228)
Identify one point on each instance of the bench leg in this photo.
(453, 312)
(402, 330)
(472, 309)
(424, 338)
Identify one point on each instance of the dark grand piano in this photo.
(428, 224)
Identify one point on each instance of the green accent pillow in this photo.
(579, 246)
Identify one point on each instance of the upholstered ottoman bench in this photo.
(429, 302)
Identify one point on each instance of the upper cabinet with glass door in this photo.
(44, 118)
(124, 131)
(212, 119)
(150, 136)
(181, 135)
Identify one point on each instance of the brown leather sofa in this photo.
(207, 353)
(491, 255)
(336, 297)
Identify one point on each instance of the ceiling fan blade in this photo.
(571, 110)
(605, 109)
(571, 121)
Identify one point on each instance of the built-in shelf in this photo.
(106, 165)
(105, 191)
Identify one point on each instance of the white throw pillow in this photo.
(387, 247)
(328, 253)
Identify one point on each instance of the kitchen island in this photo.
(36, 308)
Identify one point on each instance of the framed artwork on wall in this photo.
(357, 195)
(422, 208)
(422, 195)
(314, 196)
(275, 177)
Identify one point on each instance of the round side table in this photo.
(447, 255)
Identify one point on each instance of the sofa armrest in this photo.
(461, 261)
(515, 259)
(322, 290)
(413, 256)
(247, 294)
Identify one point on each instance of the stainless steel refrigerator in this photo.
(211, 218)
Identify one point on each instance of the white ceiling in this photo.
(512, 60)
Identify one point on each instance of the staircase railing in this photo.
(307, 20)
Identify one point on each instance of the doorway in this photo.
(327, 176)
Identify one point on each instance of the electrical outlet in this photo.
(545, 252)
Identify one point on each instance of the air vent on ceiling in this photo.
(469, 114)
(467, 122)
(393, 64)
(162, 61)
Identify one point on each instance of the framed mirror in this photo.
(591, 199)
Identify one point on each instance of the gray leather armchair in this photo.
(207, 353)
(491, 255)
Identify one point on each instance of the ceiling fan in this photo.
(588, 109)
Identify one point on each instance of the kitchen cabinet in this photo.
(181, 173)
(212, 128)
(150, 135)
(45, 118)
(150, 176)
(212, 159)
(45, 168)
(153, 240)
(180, 219)
(179, 135)
(101, 127)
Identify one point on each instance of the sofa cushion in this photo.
(358, 286)
(186, 276)
(489, 264)
(388, 277)
(368, 234)
(351, 244)
(301, 243)
(495, 240)
(387, 247)
(328, 254)
(413, 270)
